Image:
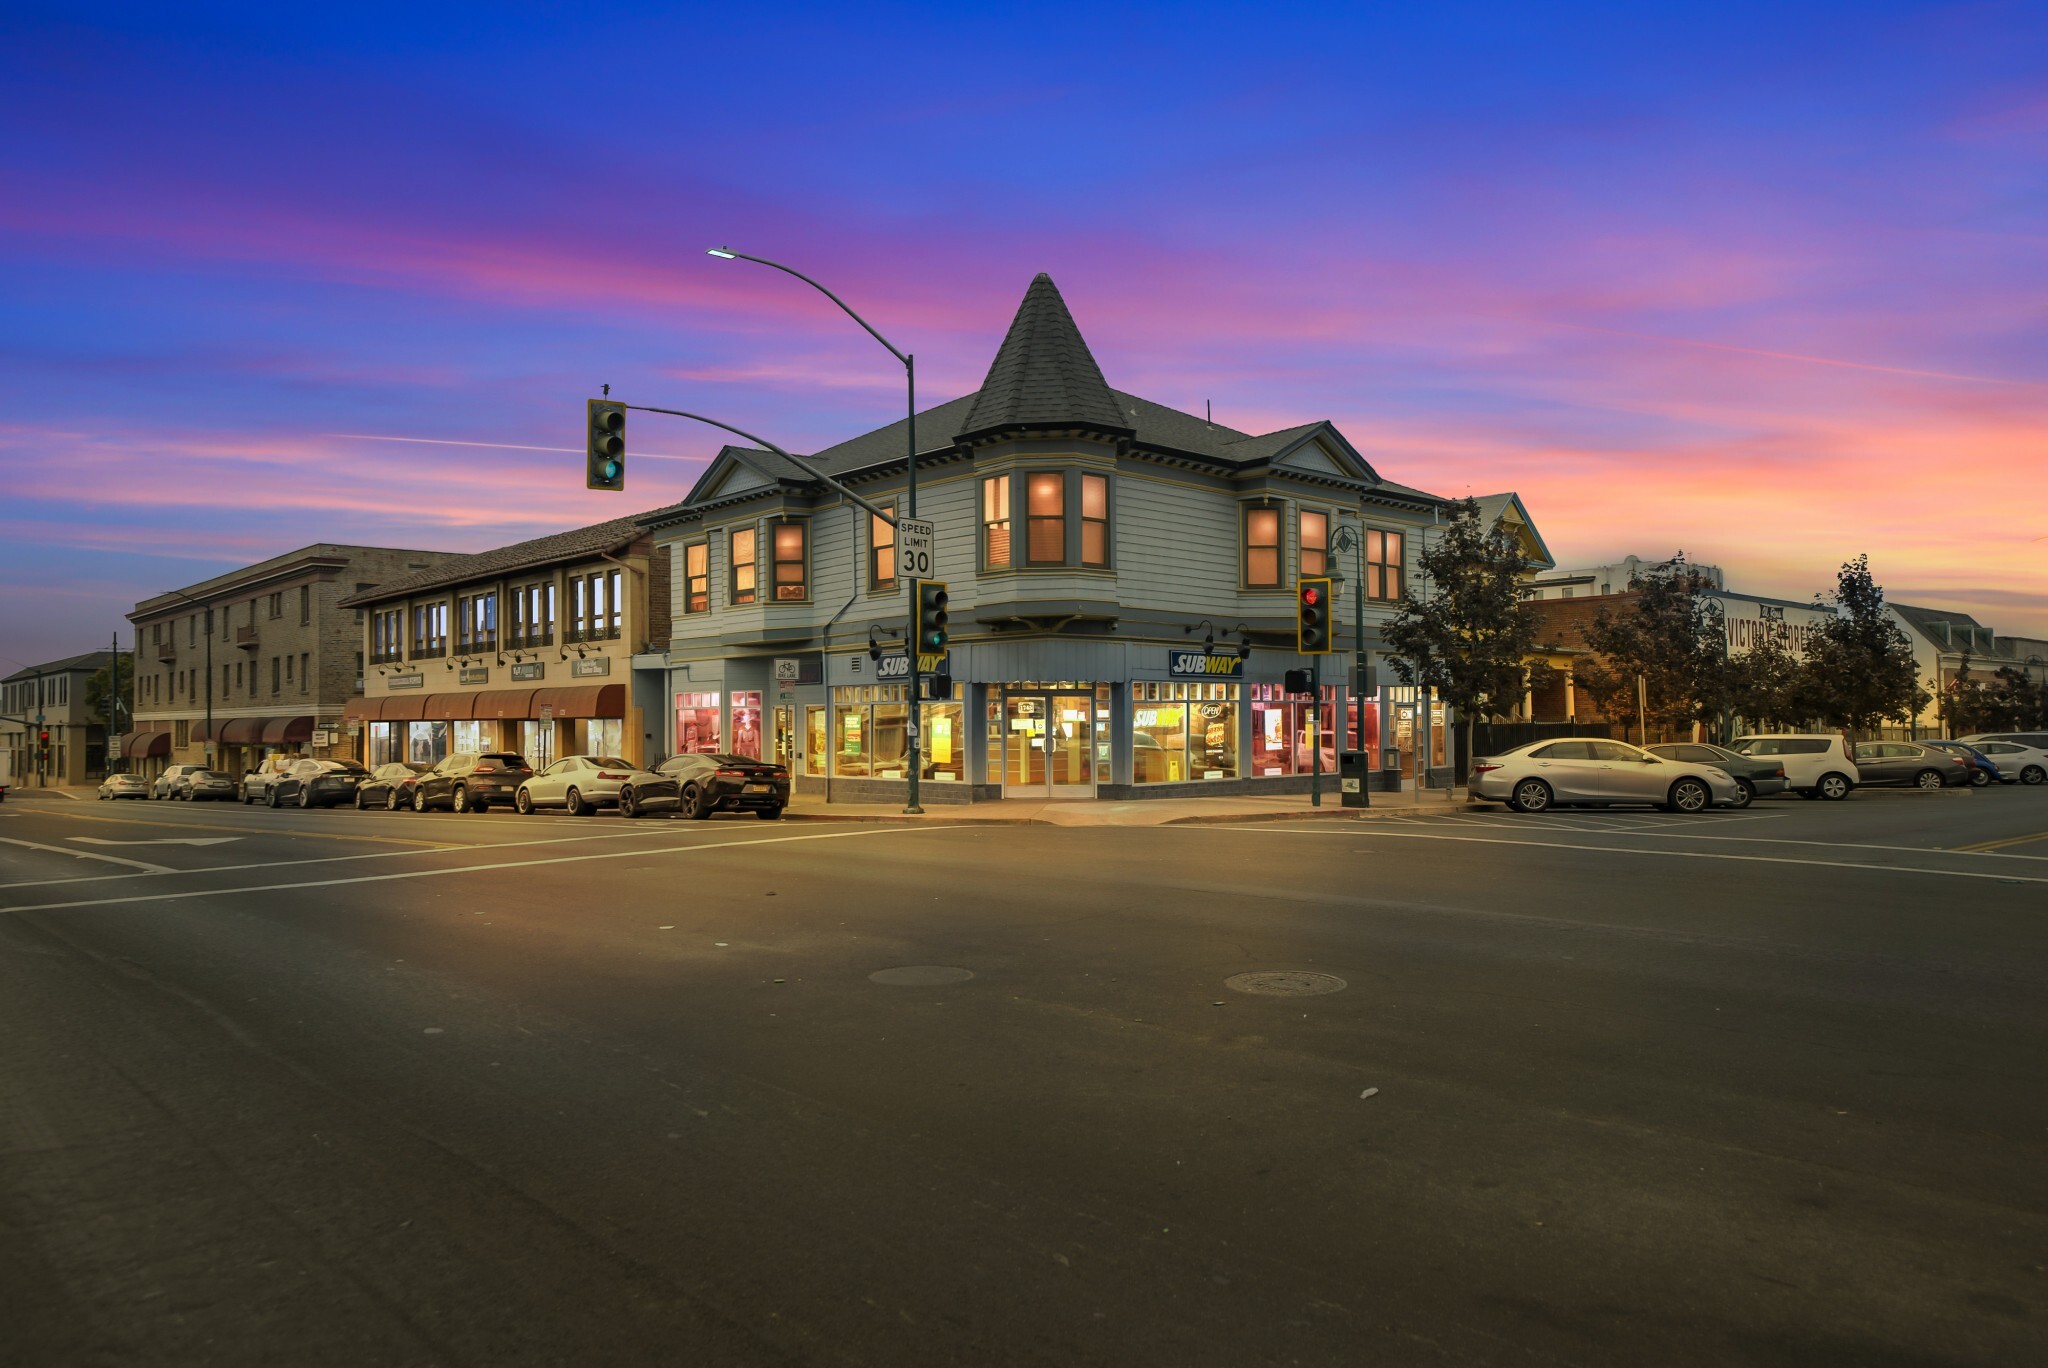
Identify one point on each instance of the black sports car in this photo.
(390, 786)
(699, 785)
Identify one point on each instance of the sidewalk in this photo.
(1144, 812)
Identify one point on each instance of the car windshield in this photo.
(510, 762)
(343, 767)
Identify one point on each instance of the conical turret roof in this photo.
(1044, 374)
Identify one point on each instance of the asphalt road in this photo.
(1618, 1088)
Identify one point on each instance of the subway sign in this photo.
(1204, 665)
(897, 666)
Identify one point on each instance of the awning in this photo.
(448, 707)
(584, 700)
(198, 732)
(504, 703)
(243, 731)
(360, 710)
(138, 744)
(402, 709)
(280, 731)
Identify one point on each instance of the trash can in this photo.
(1351, 779)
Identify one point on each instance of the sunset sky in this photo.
(1765, 283)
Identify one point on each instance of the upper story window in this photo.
(1384, 577)
(1262, 548)
(530, 620)
(745, 568)
(791, 581)
(995, 521)
(192, 630)
(1095, 520)
(1045, 512)
(429, 632)
(697, 577)
(1315, 542)
(386, 630)
(305, 604)
(881, 551)
(594, 606)
(476, 622)
(277, 604)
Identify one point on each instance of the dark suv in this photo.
(470, 781)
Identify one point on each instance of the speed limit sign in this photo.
(914, 548)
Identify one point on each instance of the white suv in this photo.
(1817, 764)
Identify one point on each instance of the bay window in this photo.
(1045, 513)
(1313, 534)
(744, 586)
(1262, 548)
(1095, 521)
(995, 522)
(792, 583)
(697, 577)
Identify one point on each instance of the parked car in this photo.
(698, 785)
(256, 782)
(1910, 764)
(316, 783)
(470, 781)
(1817, 764)
(123, 786)
(1758, 778)
(390, 786)
(2037, 740)
(1983, 769)
(579, 784)
(208, 786)
(172, 780)
(2028, 763)
(1579, 771)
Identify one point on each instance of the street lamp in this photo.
(910, 479)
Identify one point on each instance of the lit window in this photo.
(995, 521)
(882, 551)
(1315, 543)
(790, 583)
(1046, 513)
(1094, 520)
(697, 577)
(743, 582)
(1383, 574)
(1262, 548)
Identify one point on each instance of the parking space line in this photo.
(1365, 830)
(142, 865)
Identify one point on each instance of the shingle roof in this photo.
(1043, 373)
(1931, 621)
(577, 544)
(91, 660)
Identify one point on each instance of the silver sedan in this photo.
(1598, 773)
(581, 784)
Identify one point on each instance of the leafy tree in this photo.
(2010, 700)
(1859, 667)
(1673, 636)
(1763, 685)
(1469, 636)
(99, 686)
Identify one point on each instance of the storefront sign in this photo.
(584, 666)
(475, 674)
(893, 667)
(1204, 665)
(411, 681)
(787, 668)
(530, 669)
(547, 712)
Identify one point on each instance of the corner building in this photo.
(1105, 556)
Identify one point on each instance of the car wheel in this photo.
(1979, 778)
(1833, 787)
(692, 804)
(573, 803)
(1689, 795)
(522, 803)
(773, 814)
(305, 795)
(394, 801)
(1927, 779)
(361, 806)
(419, 800)
(2033, 774)
(1531, 795)
(1745, 794)
(461, 800)
(629, 806)
(247, 797)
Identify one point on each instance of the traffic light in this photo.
(931, 617)
(607, 444)
(44, 737)
(938, 685)
(1312, 615)
(1297, 683)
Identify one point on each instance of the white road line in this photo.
(336, 859)
(1362, 830)
(469, 869)
(88, 855)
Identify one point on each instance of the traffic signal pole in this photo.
(1315, 730)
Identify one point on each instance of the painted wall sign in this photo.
(406, 681)
(475, 674)
(584, 666)
(530, 669)
(1204, 665)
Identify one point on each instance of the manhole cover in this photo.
(924, 975)
(1286, 983)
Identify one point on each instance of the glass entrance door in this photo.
(1048, 745)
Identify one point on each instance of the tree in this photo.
(1763, 685)
(99, 687)
(1859, 667)
(1470, 634)
(1673, 637)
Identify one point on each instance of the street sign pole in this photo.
(913, 563)
(1315, 731)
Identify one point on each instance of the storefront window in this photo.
(871, 734)
(1437, 734)
(465, 737)
(1183, 731)
(945, 741)
(1282, 742)
(816, 746)
(383, 746)
(1363, 728)
(426, 742)
(746, 725)
(850, 735)
(604, 736)
(697, 723)
(537, 743)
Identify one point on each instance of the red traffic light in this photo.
(1311, 597)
